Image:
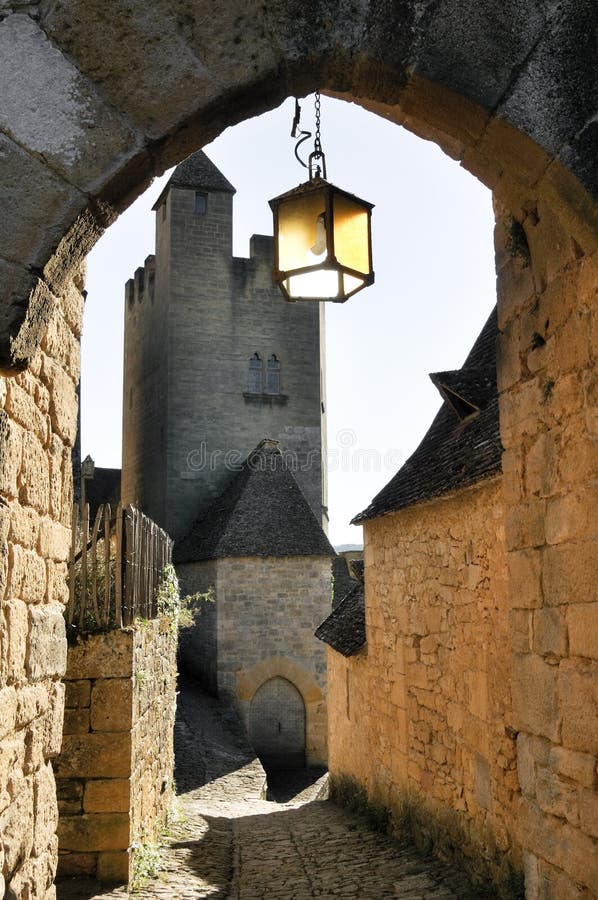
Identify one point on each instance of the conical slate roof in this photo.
(462, 445)
(198, 171)
(262, 512)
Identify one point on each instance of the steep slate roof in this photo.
(198, 171)
(262, 512)
(344, 628)
(462, 445)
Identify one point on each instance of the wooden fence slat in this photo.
(74, 527)
(84, 540)
(94, 564)
(129, 573)
(107, 565)
(118, 568)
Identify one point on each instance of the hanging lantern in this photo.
(322, 235)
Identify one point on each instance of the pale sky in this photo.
(435, 286)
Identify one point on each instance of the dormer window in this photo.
(255, 375)
(273, 375)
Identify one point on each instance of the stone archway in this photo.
(277, 724)
(105, 100)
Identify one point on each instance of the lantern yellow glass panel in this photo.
(322, 243)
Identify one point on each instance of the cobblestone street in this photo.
(231, 843)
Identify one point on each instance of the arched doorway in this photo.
(277, 724)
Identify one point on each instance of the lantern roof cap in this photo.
(315, 185)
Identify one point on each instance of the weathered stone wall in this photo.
(263, 621)
(547, 365)
(114, 773)
(38, 421)
(422, 716)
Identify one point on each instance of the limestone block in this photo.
(524, 525)
(549, 632)
(107, 795)
(535, 699)
(570, 573)
(582, 620)
(54, 110)
(89, 832)
(525, 584)
(33, 584)
(17, 283)
(16, 826)
(57, 583)
(16, 616)
(541, 477)
(567, 517)
(63, 401)
(556, 796)
(54, 540)
(8, 711)
(579, 767)
(45, 809)
(113, 866)
(34, 219)
(588, 812)
(76, 721)
(53, 721)
(78, 693)
(112, 704)
(97, 654)
(32, 702)
(22, 408)
(72, 305)
(95, 756)
(47, 648)
(11, 453)
(95, 43)
(578, 700)
(76, 864)
(62, 346)
(24, 526)
(34, 481)
(576, 854)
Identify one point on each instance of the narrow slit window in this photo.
(273, 375)
(201, 203)
(254, 375)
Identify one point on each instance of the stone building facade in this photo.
(267, 561)
(427, 704)
(214, 360)
(509, 93)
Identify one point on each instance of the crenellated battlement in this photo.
(142, 284)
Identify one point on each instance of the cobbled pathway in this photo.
(231, 843)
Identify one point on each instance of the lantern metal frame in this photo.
(328, 191)
(318, 185)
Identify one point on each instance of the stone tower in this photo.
(215, 360)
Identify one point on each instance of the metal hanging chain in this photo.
(315, 169)
(317, 156)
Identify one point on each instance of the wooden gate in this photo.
(277, 725)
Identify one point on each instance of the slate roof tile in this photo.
(344, 628)
(262, 512)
